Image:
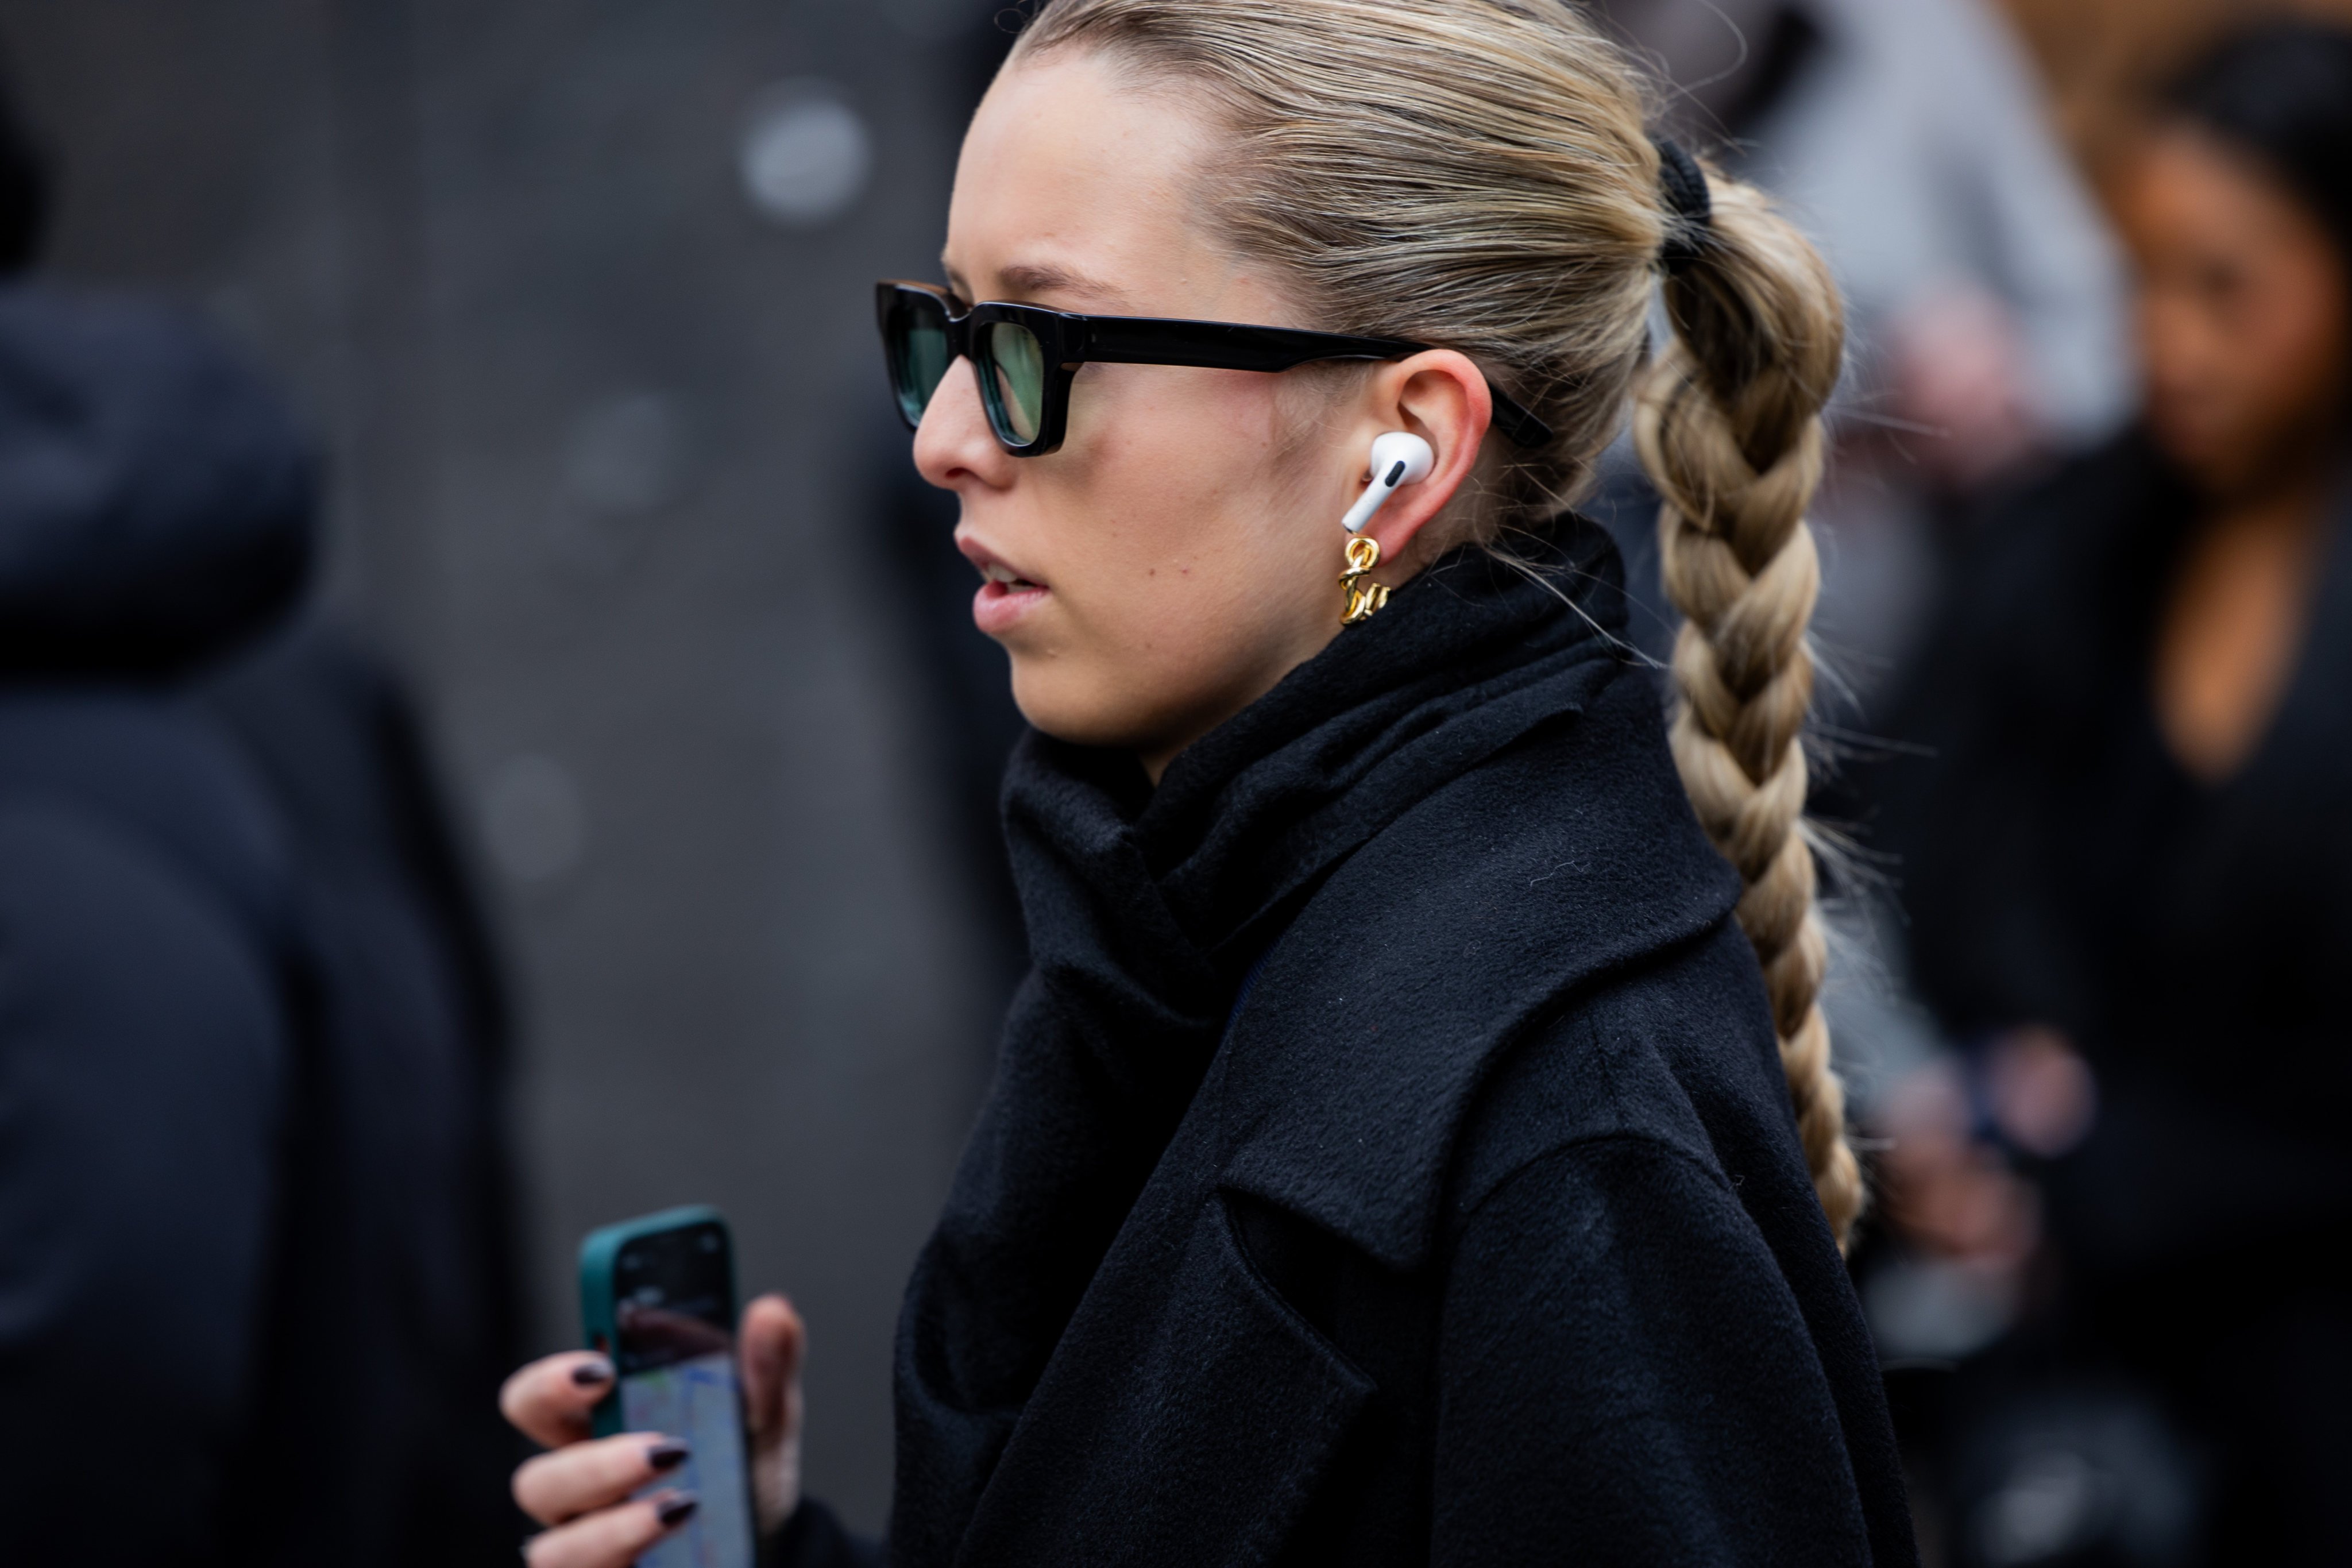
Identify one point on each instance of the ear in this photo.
(1441, 397)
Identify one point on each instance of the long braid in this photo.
(1729, 428)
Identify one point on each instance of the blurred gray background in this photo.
(574, 293)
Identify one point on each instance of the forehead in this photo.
(1077, 189)
(2181, 174)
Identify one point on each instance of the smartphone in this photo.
(658, 1295)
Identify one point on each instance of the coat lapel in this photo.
(1189, 1413)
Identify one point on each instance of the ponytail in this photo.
(1729, 428)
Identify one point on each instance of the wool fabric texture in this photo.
(1389, 1160)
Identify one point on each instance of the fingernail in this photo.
(675, 1508)
(668, 1455)
(589, 1374)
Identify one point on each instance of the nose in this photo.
(953, 445)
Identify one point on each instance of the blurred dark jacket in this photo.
(2060, 868)
(253, 1293)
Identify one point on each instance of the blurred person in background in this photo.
(252, 1183)
(1911, 141)
(2126, 845)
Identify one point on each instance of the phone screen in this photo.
(674, 1310)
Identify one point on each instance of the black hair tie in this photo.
(1684, 185)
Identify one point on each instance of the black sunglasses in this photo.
(1027, 357)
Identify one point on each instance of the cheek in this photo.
(2303, 340)
(2218, 348)
(1183, 472)
(1185, 562)
(2169, 328)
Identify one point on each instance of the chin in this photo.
(1058, 701)
(2189, 444)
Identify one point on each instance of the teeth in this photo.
(996, 574)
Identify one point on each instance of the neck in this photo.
(2294, 477)
(1156, 755)
(2293, 502)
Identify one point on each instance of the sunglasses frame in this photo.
(1070, 340)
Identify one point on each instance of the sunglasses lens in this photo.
(917, 342)
(1016, 373)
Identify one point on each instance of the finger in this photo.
(551, 1398)
(612, 1539)
(775, 1341)
(570, 1481)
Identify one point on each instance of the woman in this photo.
(1392, 1157)
(2126, 864)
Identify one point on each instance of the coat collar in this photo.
(1353, 1061)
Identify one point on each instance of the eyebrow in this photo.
(1029, 279)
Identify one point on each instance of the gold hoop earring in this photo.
(1364, 599)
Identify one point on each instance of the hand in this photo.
(1963, 376)
(1953, 1196)
(2043, 1094)
(582, 1489)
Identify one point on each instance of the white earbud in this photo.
(1399, 458)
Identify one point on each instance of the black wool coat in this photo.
(1389, 1161)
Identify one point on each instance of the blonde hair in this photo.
(1477, 173)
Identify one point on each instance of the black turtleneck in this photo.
(1388, 1160)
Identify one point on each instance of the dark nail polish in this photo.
(589, 1374)
(675, 1508)
(668, 1455)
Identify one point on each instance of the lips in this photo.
(1005, 596)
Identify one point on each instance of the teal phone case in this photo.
(600, 1256)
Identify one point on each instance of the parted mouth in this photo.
(994, 568)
